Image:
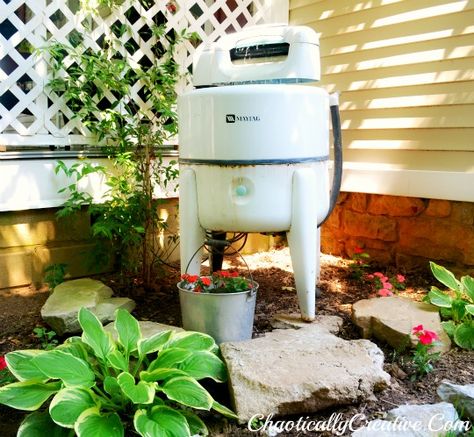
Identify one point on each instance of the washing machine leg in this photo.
(303, 240)
(192, 235)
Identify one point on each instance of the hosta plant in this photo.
(456, 305)
(97, 386)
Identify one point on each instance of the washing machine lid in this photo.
(259, 54)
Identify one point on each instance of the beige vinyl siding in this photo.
(405, 71)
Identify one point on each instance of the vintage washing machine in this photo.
(254, 147)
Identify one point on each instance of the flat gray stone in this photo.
(392, 319)
(62, 307)
(147, 328)
(461, 396)
(428, 420)
(295, 371)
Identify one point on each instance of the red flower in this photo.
(3, 363)
(234, 274)
(206, 281)
(428, 337)
(197, 289)
(417, 329)
(358, 249)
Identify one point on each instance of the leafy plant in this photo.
(423, 359)
(46, 338)
(100, 87)
(386, 286)
(99, 384)
(456, 305)
(360, 262)
(54, 274)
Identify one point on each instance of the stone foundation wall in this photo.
(31, 240)
(404, 231)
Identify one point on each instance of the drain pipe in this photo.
(337, 172)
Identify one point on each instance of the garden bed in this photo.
(272, 270)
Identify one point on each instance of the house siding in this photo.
(405, 71)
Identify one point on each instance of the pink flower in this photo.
(358, 250)
(384, 292)
(387, 285)
(3, 363)
(400, 278)
(417, 328)
(427, 337)
(379, 274)
(370, 277)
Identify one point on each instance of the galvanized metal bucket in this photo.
(224, 316)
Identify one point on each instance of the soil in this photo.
(272, 270)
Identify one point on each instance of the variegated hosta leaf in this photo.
(189, 392)
(94, 334)
(71, 370)
(141, 393)
(27, 395)
(128, 330)
(20, 363)
(93, 423)
(162, 422)
(69, 403)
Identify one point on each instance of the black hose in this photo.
(337, 173)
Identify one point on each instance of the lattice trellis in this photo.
(30, 115)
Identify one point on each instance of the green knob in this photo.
(241, 190)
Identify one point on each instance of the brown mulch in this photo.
(272, 270)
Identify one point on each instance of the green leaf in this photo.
(75, 346)
(91, 423)
(188, 392)
(69, 403)
(20, 363)
(444, 276)
(194, 341)
(128, 330)
(449, 327)
(464, 335)
(40, 424)
(141, 393)
(196, 425)
(204, 364)
(164, 422)
(27, 395)
(439, 298)
(468, 283)
(111, 386)
(153, 343)
(94, 335)
(222, 409)
(71, 370)
(161, 374)
(169, 358)
(117, 360)
(470, 309)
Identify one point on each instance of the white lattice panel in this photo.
(30, 115)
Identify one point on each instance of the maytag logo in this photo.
(232, 118)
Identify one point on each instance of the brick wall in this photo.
(405, 231)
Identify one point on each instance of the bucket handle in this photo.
(205, 245)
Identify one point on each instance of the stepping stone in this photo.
(295, 371)
(430, 420)
(62, 307)
(391, 319)
(461, 396)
